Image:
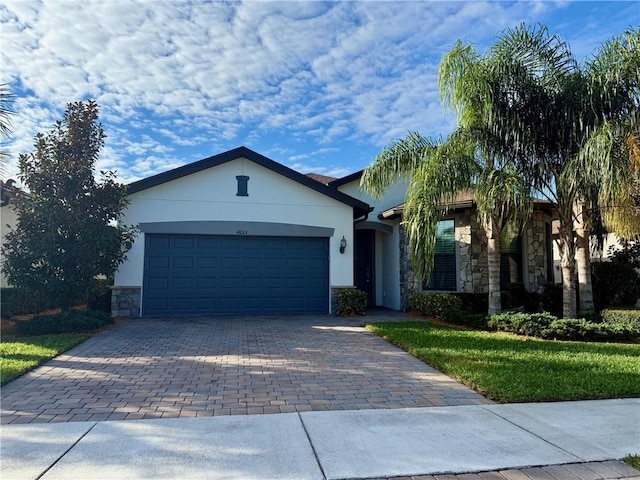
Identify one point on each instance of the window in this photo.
(443, 275)
(243, 181)
(510, 259)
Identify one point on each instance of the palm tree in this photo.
(546, 110)
(467, 84)
(6, 100)
(437, 172)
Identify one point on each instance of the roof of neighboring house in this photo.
(359, 208)
(324, 179)
(464, 199)
(8, 191)
(344, 180)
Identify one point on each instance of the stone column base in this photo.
(125, 301)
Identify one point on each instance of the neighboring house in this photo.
(8, 216)
(238, 233)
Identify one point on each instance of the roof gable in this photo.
(344, 180)
(359, 208)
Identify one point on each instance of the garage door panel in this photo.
(192, 274)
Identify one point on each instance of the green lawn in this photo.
(18, 355)
(508, 368)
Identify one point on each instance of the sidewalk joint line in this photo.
(65, 452)
(580, 459)
(313, 449)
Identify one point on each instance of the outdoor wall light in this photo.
(343, 244)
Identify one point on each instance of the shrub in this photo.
(446, 307)
(545, 325)
(614, 284)
(100, 296)
(516, 296)
(473, 302)
(531, 324)
(629, 254)
(352, 301)
(21, 301)
(628, 315)
(551, 299)
(72, 321)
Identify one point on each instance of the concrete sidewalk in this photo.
(331, 445)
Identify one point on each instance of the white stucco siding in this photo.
(210, 195)
(8, 219)
(394, 196)
(388, 268)
(387, 246)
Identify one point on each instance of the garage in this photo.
(231, 275)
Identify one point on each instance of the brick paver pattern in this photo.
(206, 366)
(609, 470)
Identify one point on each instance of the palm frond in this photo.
(400, 158)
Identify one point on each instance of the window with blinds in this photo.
(443, 275)
(510, 259)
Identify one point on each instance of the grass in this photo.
(510, 368)
(633, 460)
(19, 354)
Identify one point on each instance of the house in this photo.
(460, 261)
(238, 233)
(8, 216)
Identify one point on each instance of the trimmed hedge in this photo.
(446, 307)
(473, 302)
(72, 321)
(547, 326)
(440, 305)
(21, 301)
(352, 301)
(626, 315)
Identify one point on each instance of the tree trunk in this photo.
(568, 262)
(583, 260)
(493, 262)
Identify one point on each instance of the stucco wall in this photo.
(8, 218)
(210, 195)
(387, 260)
(394, 196)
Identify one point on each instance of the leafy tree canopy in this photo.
(68, 229)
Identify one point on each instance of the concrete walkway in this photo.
(209, 366)
(339, 445)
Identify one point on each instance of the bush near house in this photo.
(450, 308)
(547, 326)
(614, 284)
(72, 321)
(352, 301)
(21, 301)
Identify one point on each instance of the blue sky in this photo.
(318, 86)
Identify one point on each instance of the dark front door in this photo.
(365, 262)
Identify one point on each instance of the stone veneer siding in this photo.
(335, 293)
(125, 301)
(473, 272)
(536, 251)
(408, 281)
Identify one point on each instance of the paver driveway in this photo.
(204, 366)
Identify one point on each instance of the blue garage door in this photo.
(205, 274)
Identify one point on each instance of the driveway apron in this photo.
(208, 366)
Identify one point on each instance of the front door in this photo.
(364, 263)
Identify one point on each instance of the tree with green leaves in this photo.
(556, 116)
(68, 229)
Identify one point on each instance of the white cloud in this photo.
(172, 77)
